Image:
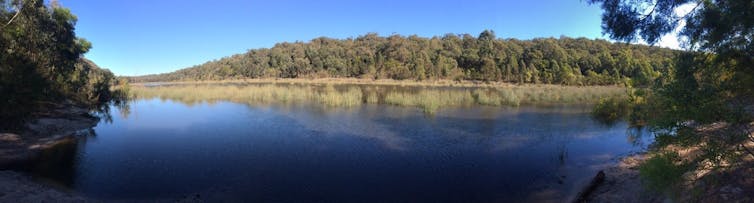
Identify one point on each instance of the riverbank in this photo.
(60, 123)
(623, 183)
(362, 81)
(51, 127)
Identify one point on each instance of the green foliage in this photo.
(40, 62)
(610, 110)
(455, 57)
(706, 100)
(663, 172)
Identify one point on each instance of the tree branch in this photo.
(743, 146)
(650, 13)
(15, 16)
(691, 11)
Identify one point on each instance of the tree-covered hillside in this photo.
(566, 60)
(41, 61)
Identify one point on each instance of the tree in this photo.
(41, 63)
(452, 56)
(489, 71)
(711, 84)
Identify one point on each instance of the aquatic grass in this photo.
(509, 97)
(372, 98)
(332, 97)
(429, 99)
(485, 98)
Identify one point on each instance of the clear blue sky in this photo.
(138, 37)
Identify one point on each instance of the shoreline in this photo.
(622, 182)
(619, 183)
(362, 81)
(59, 125)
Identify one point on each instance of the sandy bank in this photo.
(54, 126)
(60, 124)
(622, 182)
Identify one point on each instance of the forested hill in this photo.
(569, 61)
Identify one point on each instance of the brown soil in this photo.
(733, 184)
(622, 184)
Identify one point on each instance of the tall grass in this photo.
(332, 97)
(429, 99)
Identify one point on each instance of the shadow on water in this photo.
(57, 165)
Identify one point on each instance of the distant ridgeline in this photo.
(566, 60)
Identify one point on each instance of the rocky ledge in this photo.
(59, 124)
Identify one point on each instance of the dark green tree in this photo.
(451, 56)
(710, 85)
(41, 63)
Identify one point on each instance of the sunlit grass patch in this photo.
(429, 99)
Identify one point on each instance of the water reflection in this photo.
(57, 165)
(229, 150)
(428, 99)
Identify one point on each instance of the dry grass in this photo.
(430, 99)
(353, 81)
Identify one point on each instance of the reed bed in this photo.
(429, 99)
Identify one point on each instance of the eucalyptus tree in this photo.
(711, 85)
(41, 61)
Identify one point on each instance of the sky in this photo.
(138, 37)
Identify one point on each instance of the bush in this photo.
(663, 172)
(609, 110)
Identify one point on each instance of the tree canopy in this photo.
(570, 61)
(41, 60)
(711, 84)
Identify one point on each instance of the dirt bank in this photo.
(622, 184)
(59, 124)
(734, 183)
(48, 129)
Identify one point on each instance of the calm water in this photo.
(221, 150)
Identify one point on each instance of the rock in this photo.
(63, 125)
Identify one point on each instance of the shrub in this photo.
(609, 110)
(663, 172)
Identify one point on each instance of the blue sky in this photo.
(138, 37)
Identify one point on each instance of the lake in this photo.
(233, 148)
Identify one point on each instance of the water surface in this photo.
(303, 152)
